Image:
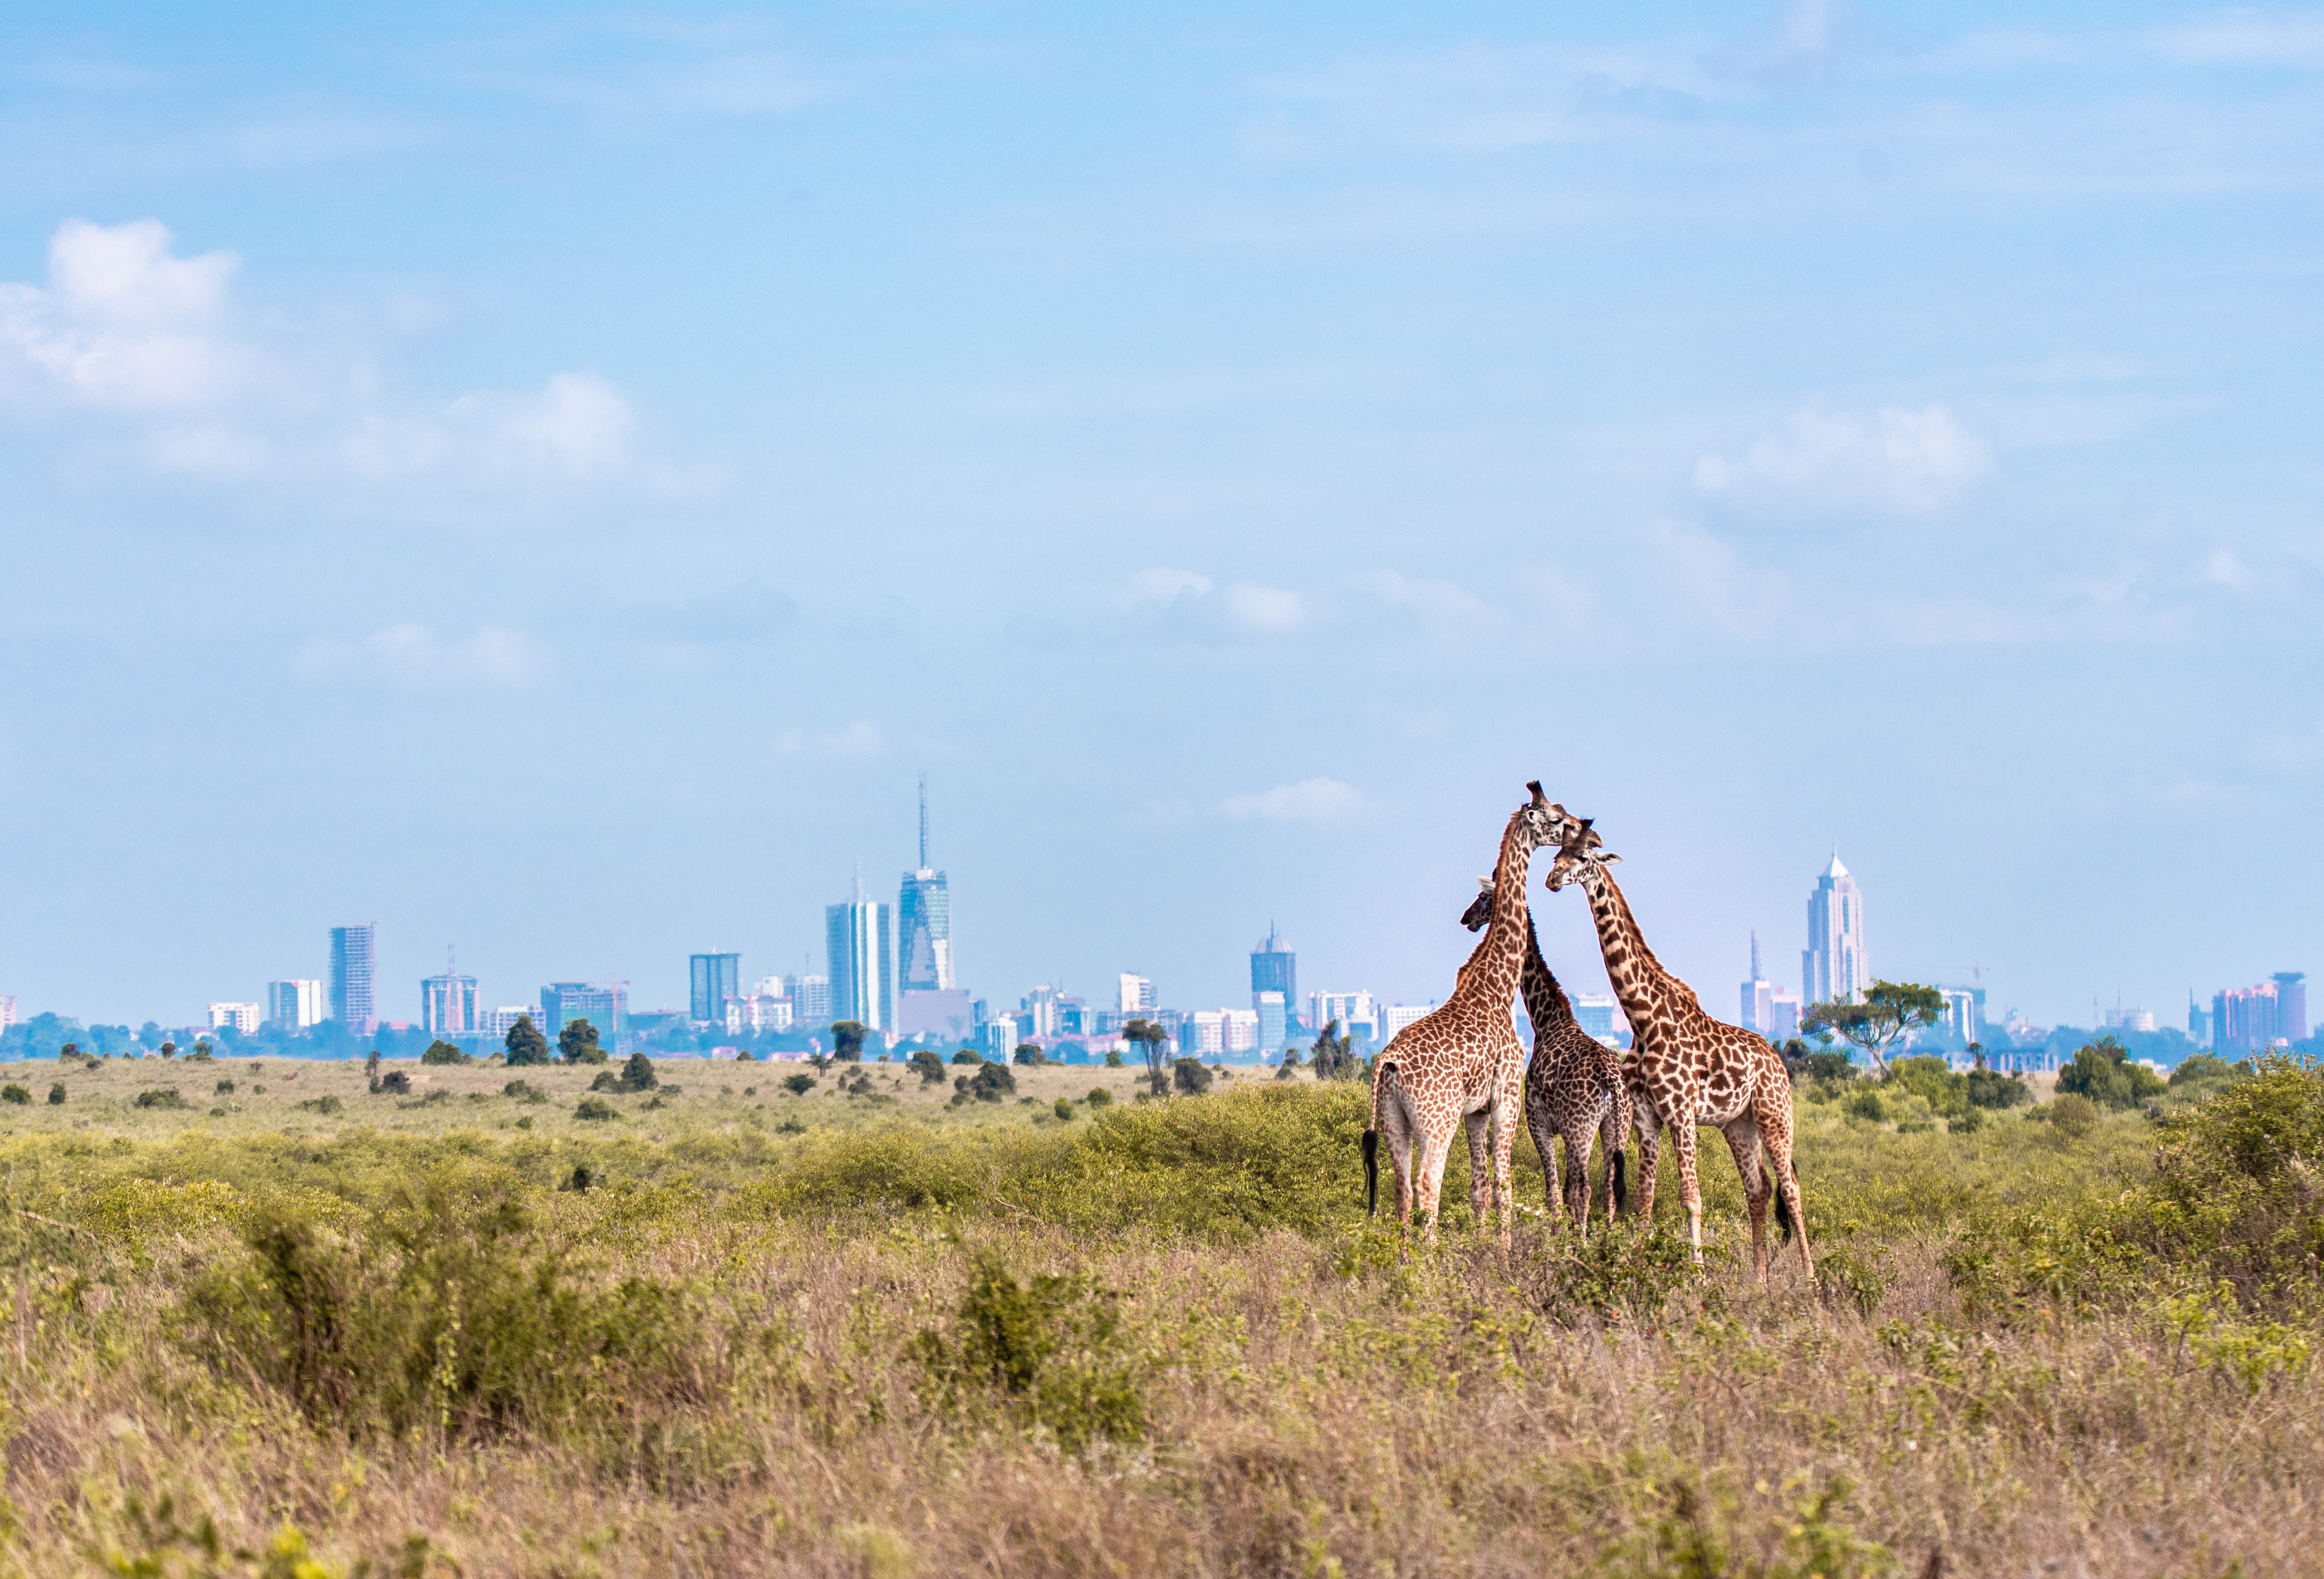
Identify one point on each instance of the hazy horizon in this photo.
(549, 485)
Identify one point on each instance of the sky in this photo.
(548, 482)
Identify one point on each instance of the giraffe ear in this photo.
(1485, 885)
(1609, 859)
(1539, 798)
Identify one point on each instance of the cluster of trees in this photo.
(2102, 1071)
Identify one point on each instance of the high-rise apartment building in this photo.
(1358, 1015)
(1832, 968)
(448, 1004)
(2199, 1021)
(1395, 1017)
(1274, 969)
(1137, 996)
(713, 978)
(353, 959)
(2291, 1006)
(810, 998)
(860, 938)
(243, 1017)
(1000, 1038)
(564, 1002)
(500, 1022)
(924, 921)
(1595, 1014)
(7, 1010)
(293, 1005)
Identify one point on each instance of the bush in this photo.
(847, 1040)
(800, 1084)
(1933, 1081)
(595, 1110)
(394, 1083)
(161, 1097)
(328, 1104)
(1113, 1058)
(16, 1095)
(577, 1043)
(930, 1065)
(990, 1083)
(2240, 1179)
(1048, 1355)
(524, 1091)
(223, 1089)
(525, 1044)
(2201, 1068)
(2072, 1115)
(1063, 1107)
(56, 1094)
(1867, 1106)
(2102, 1071)
(442, 1053)
(445, 1313)
(1029, 1055)
(1990, 1088)
(1099, 1096)
(1189, 1075)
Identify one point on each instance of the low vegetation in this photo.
(879, 1326)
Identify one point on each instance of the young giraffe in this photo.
(1688, 1068)
(1460, 1063)
(1573, 1084)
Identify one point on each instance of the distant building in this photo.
(564, 1002)
(924, 921)
(2244, 1020)
(1783, 1016)
(1037, 1011)
(810, 998)
(7, 1010)
(500, 1022)
(2199, 1021)
(2291, 1006)
(353, 957)
(1395, 1017)
(711, 979)
(1240, 1029)
(1271, 1018)
(1274, 969)
(1000, 1038)
(1759, 997)
(1203, 1032)
(947, 1015)
(293, 1005)
(1832, 968)
(757, 1012)
(1965, 1014)
(243, 1017)
(860, 939)
(448, 1004)
(1596, 1016)
(1358, 1015)
(1137, 996)
(2121, 1019)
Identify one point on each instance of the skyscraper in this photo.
(1832, 968)
(2292, 1005)
(861, 940)
(1271, 1036)
(1274, 969)
(293, 1005)
(715, 977)
(352, 959)
(924, 919)
(1137, 996)
(1758, 997)
(564, 1002)
(2199, 1021)
(447, 1003)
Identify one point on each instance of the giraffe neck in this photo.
(1638, 978)
(1491, 973)
(1544, 1000)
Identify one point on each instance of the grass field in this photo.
(297, 1327)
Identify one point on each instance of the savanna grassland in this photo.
(279, 1322)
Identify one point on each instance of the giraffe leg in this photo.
(1506, 1108)
(1775, 1134)
(1577, 1174)
(1544, 1141)
(1396, 1121)
(1689, 1184)
(1479, 1125)
(1650, 1151)
(1436, 1150)
(1611, 1140)
(1743, 1139)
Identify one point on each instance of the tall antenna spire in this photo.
(924, 821)
(1756, 975)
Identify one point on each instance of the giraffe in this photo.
(1687, 1069)
(1573, 1084)
(1461, 1064)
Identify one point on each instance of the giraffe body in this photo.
(1574, 1087)
(1687, 1070)
(1461, 1066)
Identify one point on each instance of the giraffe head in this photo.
(1481, 908)
(1583, 854)
(1543, 821)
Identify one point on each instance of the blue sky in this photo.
(548, 483)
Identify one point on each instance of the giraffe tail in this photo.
(1621, 1188)
(1371, 1172)
(1783, 1210)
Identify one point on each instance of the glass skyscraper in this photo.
(924, 921)
(564, 1002)
(860, 938)
(353, 1004)
(1832, 968)
(715, 977)
(1274, 969)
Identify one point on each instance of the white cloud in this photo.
(1264, 611)
(413, 657)
(1894, 462)
(2225, 569)
(2246, 38)
(1714, 583)
(859, 739)
(1167, 586)
(1322, 801)
(123, 325)
(1195, 603)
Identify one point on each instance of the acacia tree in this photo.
(1153, 1039)
(1874, 1025)
(578, 1042)
(1334, 1054)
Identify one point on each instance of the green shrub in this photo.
(595, 1110)
(446, 1313)
(327, 1104)
(1099, 1096)
(990, 1083)
(16, 1095)
(800, 1084)
(1990, 1088)
(1029, 1055)
(2102, 1071)
(577, 1043)
(442, 1053)
(524, 1091)
(1631, 1269)
(1048, 1355)
(56, 1094)
(1867, 1106)
(223, 1089)
(967, 1058)
(1063, 1107)
(1189, 1076)
(930, 1065)
(1933, 1081)
(2200, 1069)
(2072, 1115)
(1113, 1058)
(2240, 1179)
(394, 1083)
(1853, 1276)
(160, 1097)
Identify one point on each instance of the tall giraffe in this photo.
(1688, 1068)
(1573, 1084)
(1460, 1063)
